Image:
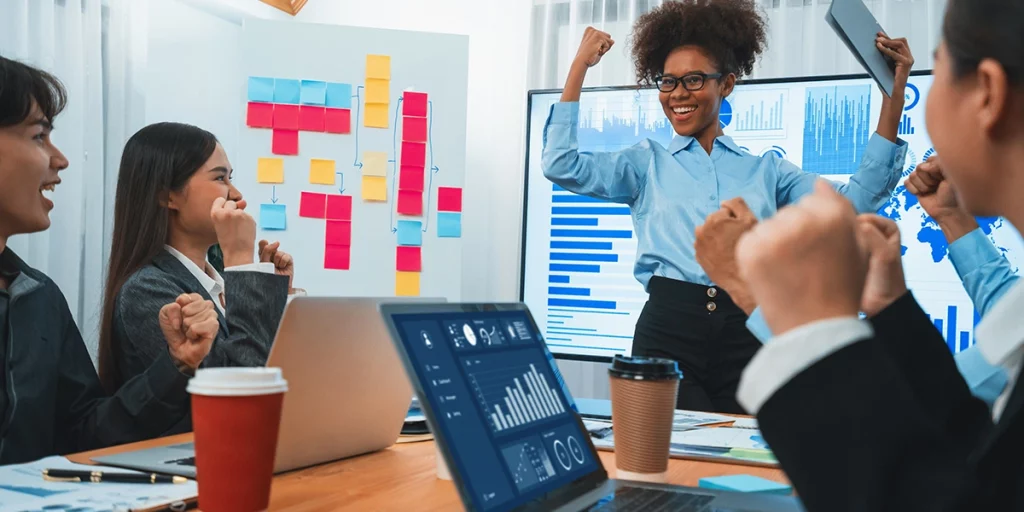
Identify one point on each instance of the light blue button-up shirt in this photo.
(671, 191)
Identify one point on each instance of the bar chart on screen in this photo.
(513, 395)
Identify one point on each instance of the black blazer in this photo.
(888, 423)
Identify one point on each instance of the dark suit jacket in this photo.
(888, 423)
(255, 303)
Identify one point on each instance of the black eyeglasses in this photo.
(690, 81)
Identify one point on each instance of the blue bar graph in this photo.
(757, 119)
(965, 340)
(951, 328)
(580, 303)
(938, 324)
(591, 233)
(558, 279)
(957, 341)
(565, 267)
(560, 290)
(594, 246)
(574, 221)
(836, 128)
(575, 199)
(905, 127)
(589, 210)
(583, 256)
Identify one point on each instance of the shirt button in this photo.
(712, 292)
(712, 306)
(711, 197)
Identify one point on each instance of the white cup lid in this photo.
(237, 382)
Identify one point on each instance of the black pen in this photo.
(68, 475)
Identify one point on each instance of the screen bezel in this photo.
(526, 167)
(552, 499)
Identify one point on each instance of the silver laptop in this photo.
(507, 425)
(331, 350)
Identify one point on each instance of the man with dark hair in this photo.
(51, 401)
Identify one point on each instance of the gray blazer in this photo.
(255, 303)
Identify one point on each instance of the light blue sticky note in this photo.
(339, 95)
(287, 91)
(273, 217)
(410, 232)
(449, 225)
(261, 89)
(314, 92)
(744, 483)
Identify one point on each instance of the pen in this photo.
(67, 475)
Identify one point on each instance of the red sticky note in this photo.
(414, 154)
(414, 104)
(408, 259)
(337, 257)
(286, 117)
(311, 119)
(339, 207)
(285, 142)
(312, 205)
(449, 199)
(339, 120)
(414, 129)
(339, 232)
(260, 115)
(410, 202)
(411, 178)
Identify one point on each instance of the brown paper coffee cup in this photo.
(643, 405)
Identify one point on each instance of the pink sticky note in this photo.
(449, 199)
(411, 178)
(339, 232)
(414, 129)
(286, 117)
(311, 118)
(414, 104)
(410, 202)
(312, 205)
(339, 207)
(414, 154)
(260, 115)
(337, 257)
(285, 142)
(408, 259)
(339, 120)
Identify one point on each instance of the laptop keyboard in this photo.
(187, 461)
(653, 500)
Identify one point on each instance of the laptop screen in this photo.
(499, 404)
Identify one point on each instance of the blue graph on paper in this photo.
(761, 116)
(837, 123)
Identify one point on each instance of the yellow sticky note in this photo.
(377, 90)
(375, 163)
(378, 66)
(407, 284)
(321, 172)
(270, 170)
(375, 188)
(376, 115)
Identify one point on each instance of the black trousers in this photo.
(702, 329)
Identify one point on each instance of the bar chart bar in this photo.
(522, 405)
(516, 420)
(527, 398)
(533, 391)
(547, 398)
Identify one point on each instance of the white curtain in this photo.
(800, 43)
(98, 49)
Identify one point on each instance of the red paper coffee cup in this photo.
(236, 413)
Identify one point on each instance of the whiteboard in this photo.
(435, 64)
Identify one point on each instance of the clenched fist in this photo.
(593, 46)
(236, 231)
(190, 324)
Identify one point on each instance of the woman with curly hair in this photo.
(694, 51)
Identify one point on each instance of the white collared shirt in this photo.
(1000, 338)
(211, 280)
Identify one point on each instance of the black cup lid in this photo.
(644, 368)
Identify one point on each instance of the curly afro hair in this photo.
(731, 32)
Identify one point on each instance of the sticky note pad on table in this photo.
(339, 232)
(411, 178)
(410, 232)
(312, 205)
(407, 284)
(270, 170)
(414, 154)
(286, 117)
(414, 104)
(321, 172)
(375, 188)
(338, 120)
(337, 257)
(261, 89)
(287, 91)
(273, 217)
(378, 66)
(314, 92)
(449, 199)
(408, 259)
(414, 129)
(449, 225)
(377, 90)
(311, 118)
(260, 115)
(375, 115)
(744, 483)
(410, 202)
(284, 142)
(375, 163)
(339, 207)
(339, 95)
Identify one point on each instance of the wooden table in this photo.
(403, 477)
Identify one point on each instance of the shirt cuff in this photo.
(986, 381)
(971, 251)
(886, 152)
(264, 266)
(758, 327)
(793, 352)
(564, 113)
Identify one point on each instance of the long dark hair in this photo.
(975, 30)
(157, 160)
(21, 85)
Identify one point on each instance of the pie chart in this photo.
(725, 113)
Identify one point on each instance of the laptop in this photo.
(506, 424)
(331, 351)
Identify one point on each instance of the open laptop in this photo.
(506, 424)
(347, 392)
